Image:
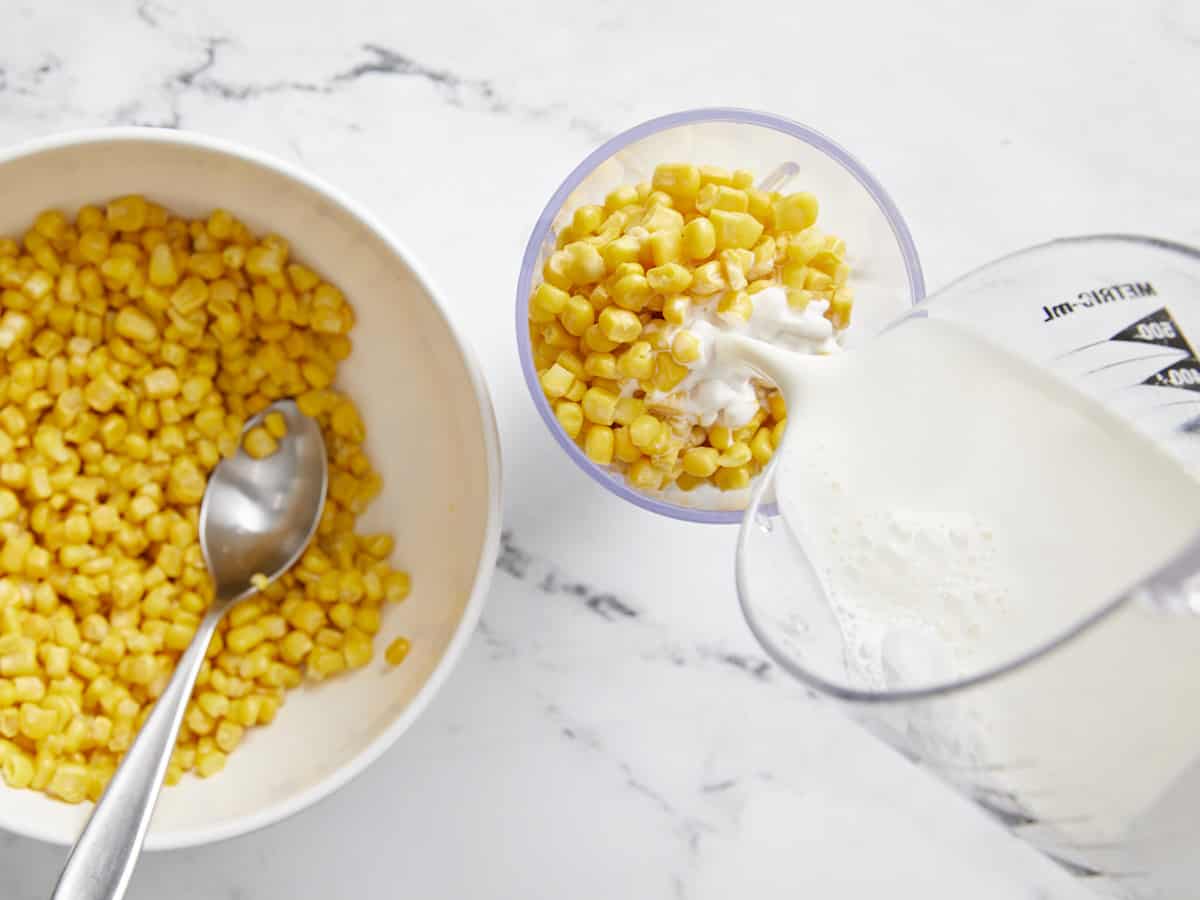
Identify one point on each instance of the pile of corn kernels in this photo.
(608, 321)
(133, 346)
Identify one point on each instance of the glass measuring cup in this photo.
(787, 156)
(1079, 732)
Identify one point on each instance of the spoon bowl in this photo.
(258, 515)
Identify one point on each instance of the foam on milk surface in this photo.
(959, 508)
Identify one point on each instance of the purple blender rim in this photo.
(613, 481)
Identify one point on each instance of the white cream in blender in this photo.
(725, 391)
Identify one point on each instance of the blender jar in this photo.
(1080, 735)
(787, 156)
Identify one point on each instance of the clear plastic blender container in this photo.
(1082, 734)
(786, 156)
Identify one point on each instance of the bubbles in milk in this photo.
(908, 585)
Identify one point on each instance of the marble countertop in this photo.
(613, 729)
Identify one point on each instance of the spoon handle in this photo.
(103, 858)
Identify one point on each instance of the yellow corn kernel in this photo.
(817, 281)
(619, 325)
(699, 239)
(701, 462)
(325, 661)
(598, 444)
(17, 768)
(600, 365)
(307, 617)
(804, 246)
(595, 339)
(840, 308)
(762, 446)
(735, 264)
(742, 179)
(628, 409)
(556, 336)
(732, 479)
(618, 198)
(675, 309)
(396, 586)
(645, 431)
(554, 271)
(776, 406)
(735, 230)
(644, 476)
(584, 264)
(258, 443)
(686, 348)
(577, 316)
(570, 417)
(35, 722)
(623, 250)
(265, 261)
(599, 406)
(544, 356)
(586, 220)
(623, 446)
(631, 292)
(10, 506)
(762, 263)
(547, 301)
(276, 425)
(666, 245)
(135, 325)
(708, 278)
(396, 651)
(127, 213)
(720, 436)
(680, 180)
(668, 373)
(28, 688)
(824, 261)
(357, 649)
(761, 207)
(162, 383)
(737, 454)
(209, 764)
(669, 278)
(795, 212)
(295, 647)
(716, 175)
(556, 381)
(737, 303)
(637, 361)
(228, 736)
(724, 197)
(578, 389)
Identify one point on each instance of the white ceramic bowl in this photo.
(431, 434)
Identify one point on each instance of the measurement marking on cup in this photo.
(1125, 362)
(1158, 328)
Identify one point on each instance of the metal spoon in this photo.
(256, 518)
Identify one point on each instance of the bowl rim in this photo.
(541, 230)
(489, 550)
